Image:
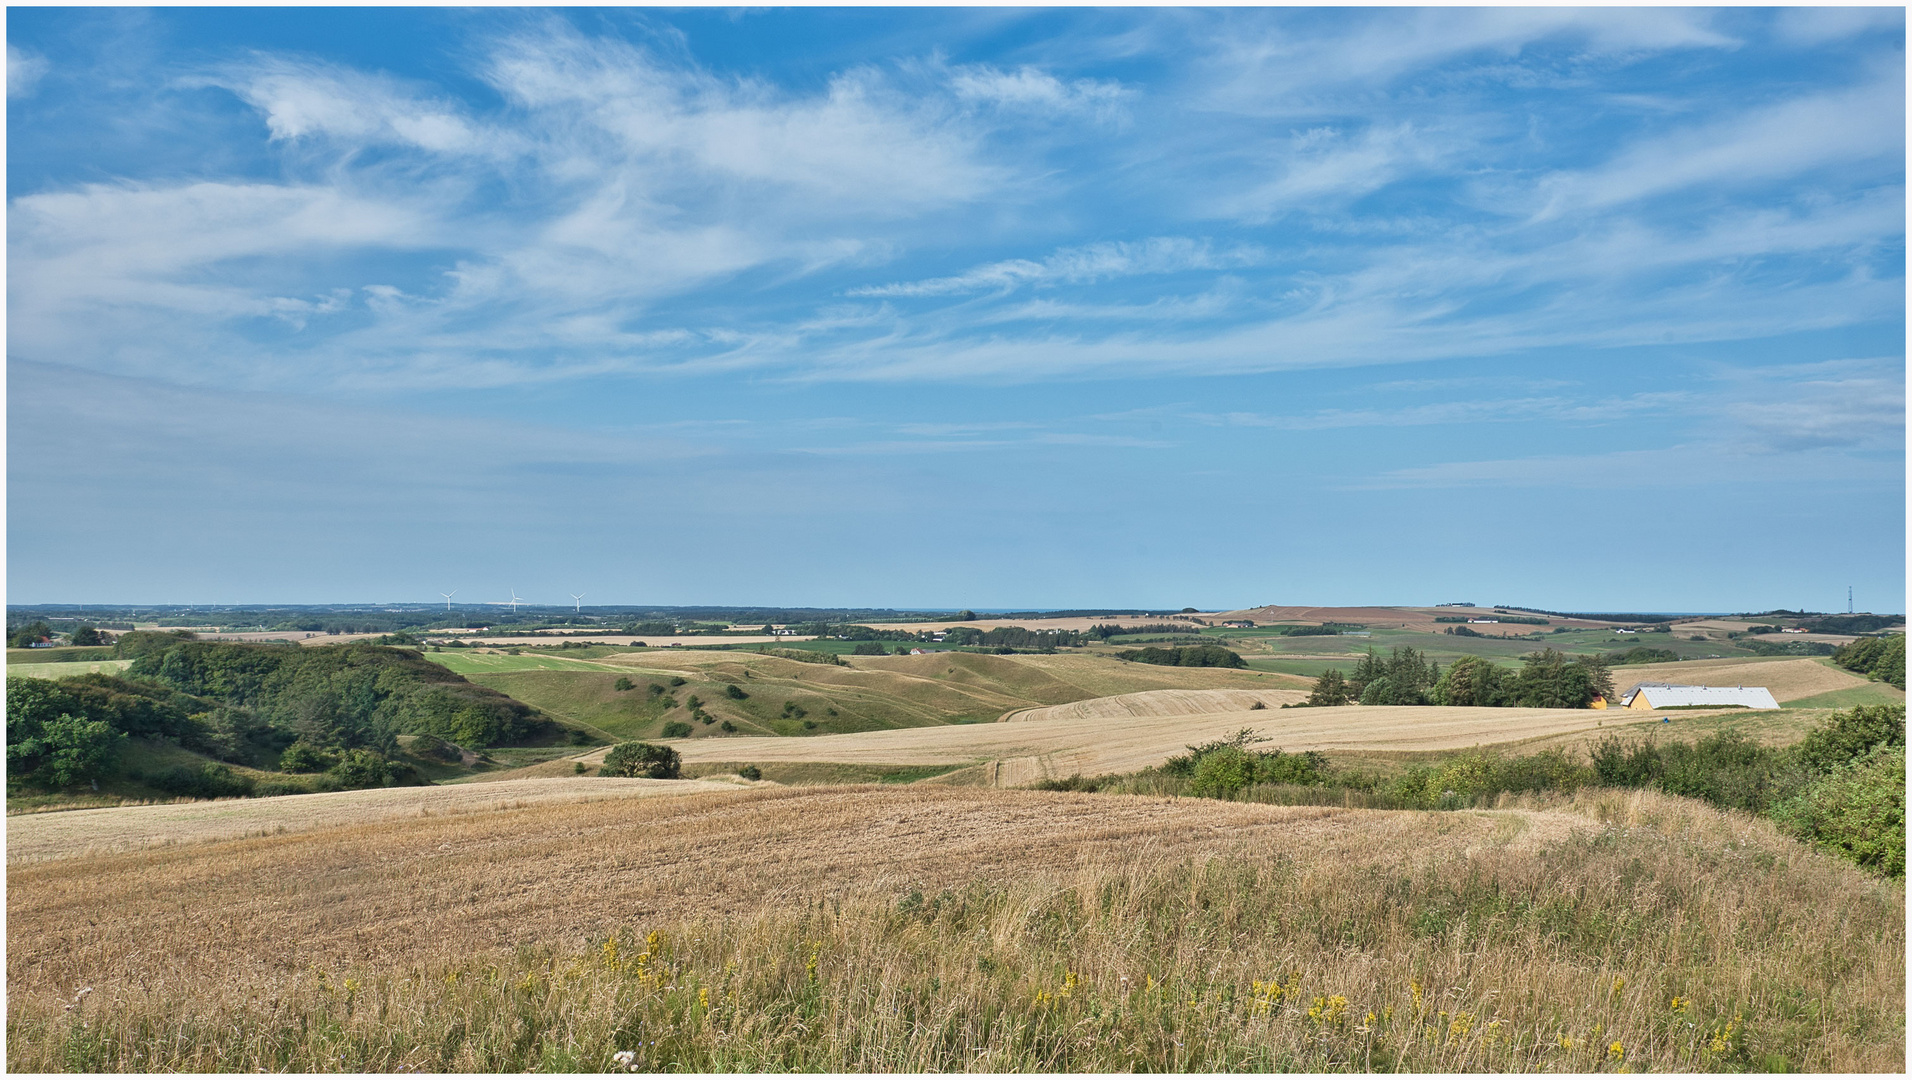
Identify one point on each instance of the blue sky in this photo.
(989, 308)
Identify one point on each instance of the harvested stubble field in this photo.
(948, 929)
(1165, 703)
(1017, 754)
(111, 830)
(1788, 679)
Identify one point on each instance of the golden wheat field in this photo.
(1016, 754)
(963, 929)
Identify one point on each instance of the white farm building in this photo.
(1672, 696)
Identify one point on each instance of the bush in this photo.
(1856, 812)
(1223, 768)
(676, 729)
(727, 727)
(750, 772)
(623, 683)
(1848, 736)
(367, 768)
(733, 693)
(870, 648)
(642, 759)
(209, 781)
(303, 757)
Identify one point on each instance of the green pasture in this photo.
(1869, 694)
(62, 670)
(468, 663)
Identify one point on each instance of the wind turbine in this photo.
(448, 596)
(578, 606)
(515, 601)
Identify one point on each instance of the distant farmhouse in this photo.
(1244, 624)
(1672, 696)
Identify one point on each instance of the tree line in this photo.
(1882, 659)
(337, 710)
(1547, 679)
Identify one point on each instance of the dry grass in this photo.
(931, 930)
(1016, 754)
(1789, 678)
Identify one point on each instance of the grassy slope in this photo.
(920, 929)
(871, 693)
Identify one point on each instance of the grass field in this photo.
(62, 669)
(926, 929)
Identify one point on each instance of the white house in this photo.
(1673, 696)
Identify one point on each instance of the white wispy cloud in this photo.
(1030, 88)
(1077, 265)
(303, 99)
(1862, 124)
(24, 72)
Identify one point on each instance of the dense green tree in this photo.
(1549, 680)
(86, 635)
(31, 634)
(1876, 658)
(642, 759)
(1404, 678)
(1471, 681)
(1329, 689)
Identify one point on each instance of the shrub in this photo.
(727, 726)
(732, 692)
(750, 772)
(1856, 812)
(1848, 736)
(676, 729)
(303, 757)
(368, 768)
(677, 680)
(208, 781)
(623, 683)
(642, 759)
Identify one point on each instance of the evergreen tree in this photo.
(1329, 689)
